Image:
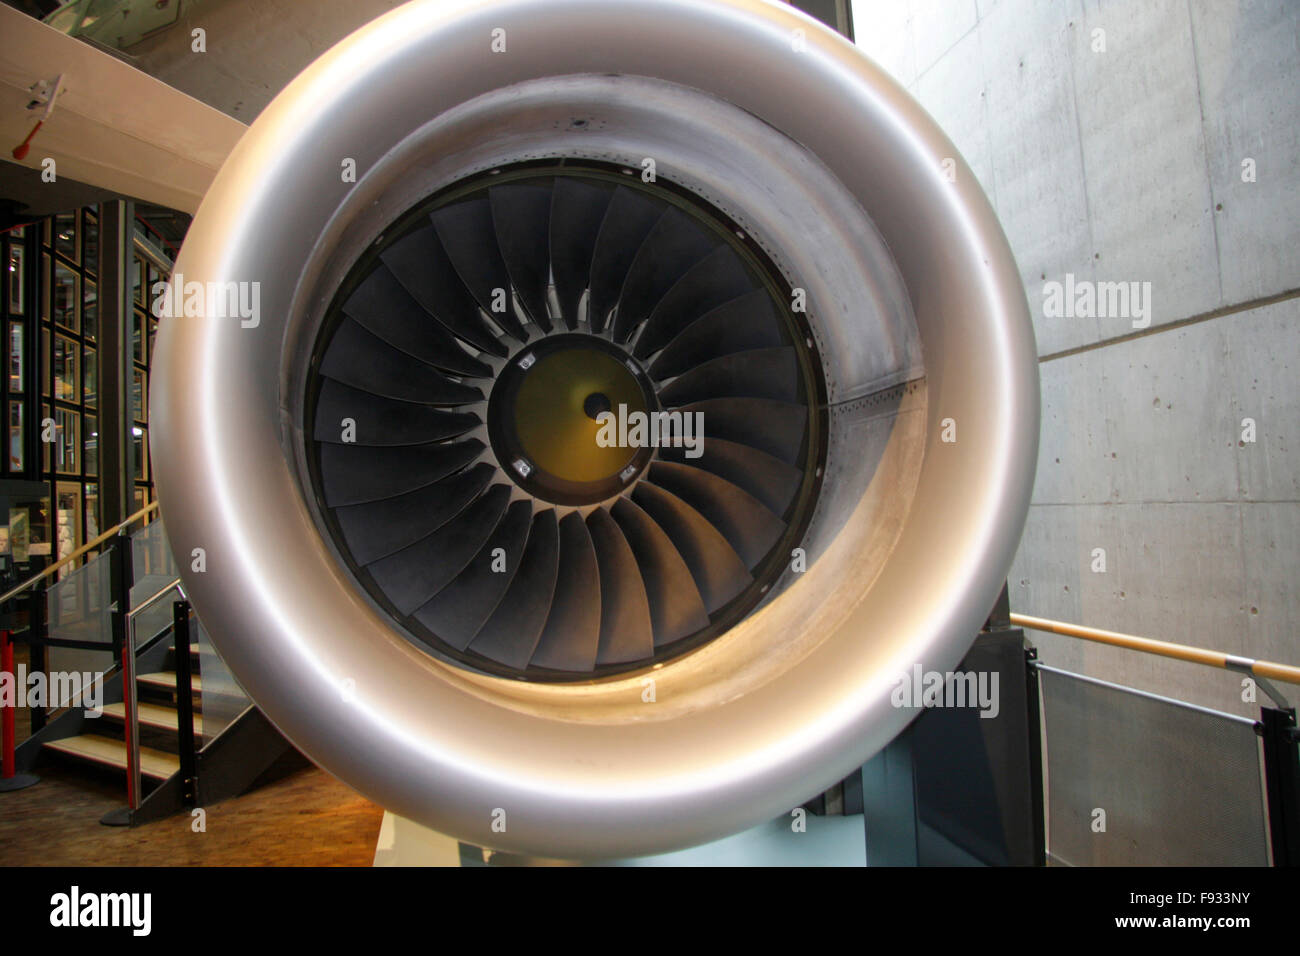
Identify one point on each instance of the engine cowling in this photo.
(420, 560)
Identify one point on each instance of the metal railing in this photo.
(1263, 671)
(130, 694)
(121, 646)
(1157, 727)
(79, 553)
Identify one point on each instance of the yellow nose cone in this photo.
(555, 411)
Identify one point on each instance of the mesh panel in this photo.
(1180, 786)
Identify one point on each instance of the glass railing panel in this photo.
(220, 697)
(154, 568)
(79, 608)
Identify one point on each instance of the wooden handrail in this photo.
(89, 545)
(1182, 652)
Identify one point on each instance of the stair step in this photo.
(153, 715)
(167, 680)
(112, 753)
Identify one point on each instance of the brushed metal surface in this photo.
(797, 695)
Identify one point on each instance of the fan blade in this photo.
(424, 269)
(384, 308)
(364, 361)
(353, 475)
(774, 427)
(413, 575)
(458, 611)
(571, 638)
(768, 479)
(675, 244)
(631, 216)
(744, 521)
(676, 610)
(470, 239)
(719, 573)
(577, 211)
(762, 373)
(740, 325)
(713, 281)
(626, 633)
(510, 635)
(521, 213)
(381, 421)
(378, 528)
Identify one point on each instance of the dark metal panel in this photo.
(116, 450)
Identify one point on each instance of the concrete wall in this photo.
(1125, 164)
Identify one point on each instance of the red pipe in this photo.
(7, 710)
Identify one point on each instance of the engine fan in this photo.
(469, 490)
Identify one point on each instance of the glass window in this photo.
(67, 381)
(137, 340)
(90, 308)
(47, 437)
(17, 456)
(90, 377)
(67, 444)
(68, 516)
(92, 445)
(139, 398)
(153, 332)
(17, 278)
(90, 243)
(92, 510)
(65, 235)
(65, 296)
(141, 438)
(17, 372)
(137, 279)
(139, 499)
(45, 365)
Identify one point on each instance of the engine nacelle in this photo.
(421, 562)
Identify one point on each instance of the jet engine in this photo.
(621, 396)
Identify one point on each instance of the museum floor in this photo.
(298, 816)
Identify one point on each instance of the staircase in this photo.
(159, 720)
(196, 735)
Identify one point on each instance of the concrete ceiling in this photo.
(112, 127)
(254, 47)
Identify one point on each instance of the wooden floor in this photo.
(301, 817)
